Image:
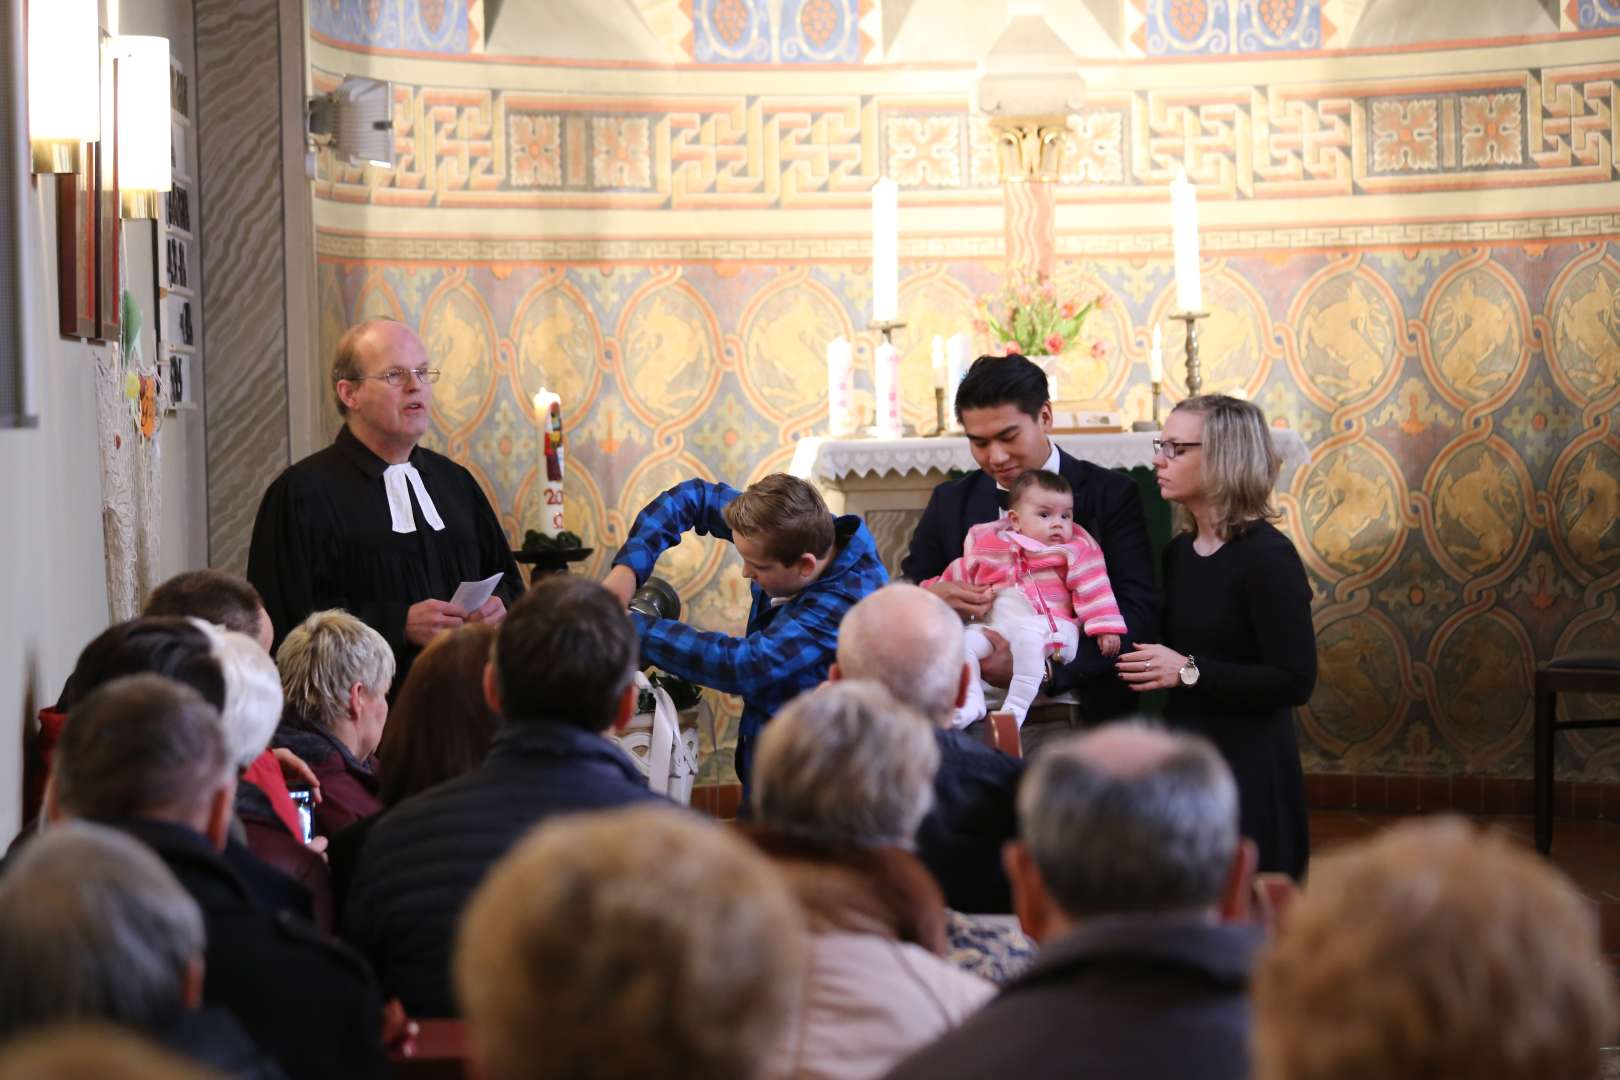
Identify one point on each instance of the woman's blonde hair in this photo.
(1240, 464)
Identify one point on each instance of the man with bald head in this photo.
(375, 523)
(975, 789)
(1130, 872)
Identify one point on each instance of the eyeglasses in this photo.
(400, 376)
(1171, 448)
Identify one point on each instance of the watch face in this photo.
(1189, 674)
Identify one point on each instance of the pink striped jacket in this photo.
(1065, 581)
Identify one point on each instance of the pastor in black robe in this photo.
(324, 538)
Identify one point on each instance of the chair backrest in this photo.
(439, 1052)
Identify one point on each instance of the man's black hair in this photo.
(1003, 380)
(159, 644)
(566, 652)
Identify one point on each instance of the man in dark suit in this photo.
(1004, 405)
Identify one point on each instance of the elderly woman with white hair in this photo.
(843, 778)
(335, 673)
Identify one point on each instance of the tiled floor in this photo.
(1587, 850)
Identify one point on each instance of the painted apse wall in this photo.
(1412, 257)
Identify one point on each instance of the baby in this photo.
(1049, 580)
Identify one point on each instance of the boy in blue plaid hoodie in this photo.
(806, 568)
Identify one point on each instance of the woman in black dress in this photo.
(1239, 647)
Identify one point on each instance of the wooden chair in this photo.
(1001, 732)
(439, 1052)
(1573, 673)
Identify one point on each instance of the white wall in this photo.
(54, 599)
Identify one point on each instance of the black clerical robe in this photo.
(324, 538)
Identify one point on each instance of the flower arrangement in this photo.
(1028, 317)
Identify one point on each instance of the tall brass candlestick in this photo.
(939, 411)
(1195, 374)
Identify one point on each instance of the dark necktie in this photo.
(1001, 498)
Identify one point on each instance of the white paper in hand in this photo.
(472, 595)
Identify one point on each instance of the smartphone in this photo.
(304, 800)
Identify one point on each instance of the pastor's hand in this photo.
(493, 611)
(426, 619)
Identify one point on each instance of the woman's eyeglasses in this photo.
(1172, 448)
(401, 376)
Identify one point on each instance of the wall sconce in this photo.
(356, 120)
(141, 78)
(64, 82)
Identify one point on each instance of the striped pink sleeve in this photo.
(1095, 607)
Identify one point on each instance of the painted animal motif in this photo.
(666, 355)
(1225, 341)
(1355, 334)
(1348, 661)
(1483, 665)
(1346, 504)
(1591, 322)
(1597, 494)
(1471, 328)
(786, 354)
(557, 344)
(460, 348)
(1478, 503)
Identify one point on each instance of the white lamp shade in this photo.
(64, 77)
(144, 166)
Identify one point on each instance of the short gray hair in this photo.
(847, 764)
(139, 746)
(252, 693)
(909, 640)
(325, 655)
(93, 926)
(1153, 839)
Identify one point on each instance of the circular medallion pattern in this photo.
(1347, 337)
(1350, 505)
(1588, 508)
(556, 349)
(460, 342)
(1586, 328)
(1230, 341)
(1475, 334)
(784, 364)
(1482, 685)
(688, 565)
(1358, 693)
(669, 355)
(1479, 507)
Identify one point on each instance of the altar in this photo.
(888, 481)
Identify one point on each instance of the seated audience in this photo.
(976, 788)
(636, 943)
(1434, 950)
(560, 677)
(335, 673)
(93, 1052)
(843, 775)
(146, 755)
(94, 927)
(214, 596)
(439, 728)
(281, 873)
(1127, 864)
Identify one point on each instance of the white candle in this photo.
(886, 390)
(939, 362)
(958, 358)
(548, 414)
(840, 387)
(1156, 357)
(1184, 232)
(885, 251)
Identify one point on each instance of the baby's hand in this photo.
(1108, 644)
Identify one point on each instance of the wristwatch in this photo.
(1189, 672)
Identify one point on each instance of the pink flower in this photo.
(1048, 291)
(1069, 309)
(980, 326)
(1102, 302)
(1054, 344)
(1099, 349)
(1008, 348)
(1024, 296)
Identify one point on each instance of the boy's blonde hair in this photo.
(786, 515)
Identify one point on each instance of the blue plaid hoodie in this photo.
(788, 648)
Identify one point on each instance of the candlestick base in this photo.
(939, 412)
(1195, 373)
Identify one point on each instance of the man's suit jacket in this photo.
(1108, 506)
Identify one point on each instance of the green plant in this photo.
(535, 540)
